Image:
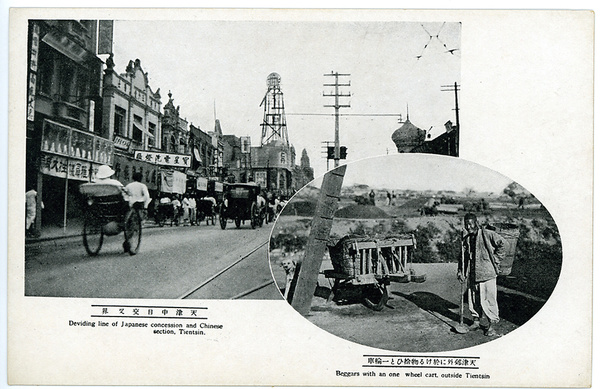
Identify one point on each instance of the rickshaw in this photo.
(363, 267)
(239, 204)
(106, 213)
(167, 213)
(206, 210)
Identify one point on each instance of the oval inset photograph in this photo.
(415, 253)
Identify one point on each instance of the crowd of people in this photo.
(183, 209)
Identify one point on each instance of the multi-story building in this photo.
(175, 134)
(132, 119)
(65, 144)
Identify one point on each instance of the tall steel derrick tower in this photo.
(274, 126)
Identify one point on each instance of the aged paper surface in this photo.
(526, 112)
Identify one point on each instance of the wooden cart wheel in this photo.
(93, 235)
(375, 297)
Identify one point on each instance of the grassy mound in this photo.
(356, 211)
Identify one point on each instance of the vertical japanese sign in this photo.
(91, 115)
(33, 66)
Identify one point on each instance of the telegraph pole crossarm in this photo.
(337, 94)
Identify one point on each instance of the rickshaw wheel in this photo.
(253, 216)
(93, 236)
(133, 231)
(238, 222)
(375, 297)
(222, 219)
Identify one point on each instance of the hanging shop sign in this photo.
(63, 167)
(172, 182)
(69, 142)
(121, 143)
(260, 177)
(218, 186)
(66, 46)
(201, 183)
(164, 159)
(124, 168)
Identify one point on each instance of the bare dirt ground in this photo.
(419, 317)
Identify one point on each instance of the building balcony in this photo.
(71, 112)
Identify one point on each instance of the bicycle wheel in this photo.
(133, 231)
(93, 236)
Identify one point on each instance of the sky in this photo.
(222, 66)
(423, 172)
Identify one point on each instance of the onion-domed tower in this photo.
(408, 137)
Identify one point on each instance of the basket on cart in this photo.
(366, 265)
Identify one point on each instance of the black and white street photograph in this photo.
(151, 176)
(278, 196)
(416, 253)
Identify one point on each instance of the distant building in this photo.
(444, 144)
(407, 137)
(302, 174)
(411, 139)
(175, 134)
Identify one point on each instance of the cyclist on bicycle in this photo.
(139, 197)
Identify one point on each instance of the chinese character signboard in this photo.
(124, 168)
(172, 182)
(164, 159)
(58, 166)
(69, 142)
(260, 178)
(201, 183)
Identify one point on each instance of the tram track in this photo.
(234, 271)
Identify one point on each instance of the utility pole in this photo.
(307, 271)
(337, 107)
(454, 88)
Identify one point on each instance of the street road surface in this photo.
(172, 262)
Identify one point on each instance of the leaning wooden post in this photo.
(307, 271)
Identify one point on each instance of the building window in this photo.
(173, 144)
(45, 72)
(151, 130)
(136, 134)
(119, 126)
(283, 158)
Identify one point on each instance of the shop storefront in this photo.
(68, 158)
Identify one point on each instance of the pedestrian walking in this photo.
(193, 206)
(185, 210)
(30, 211)
(482, 252)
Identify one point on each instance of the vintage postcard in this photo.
(300, 197)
